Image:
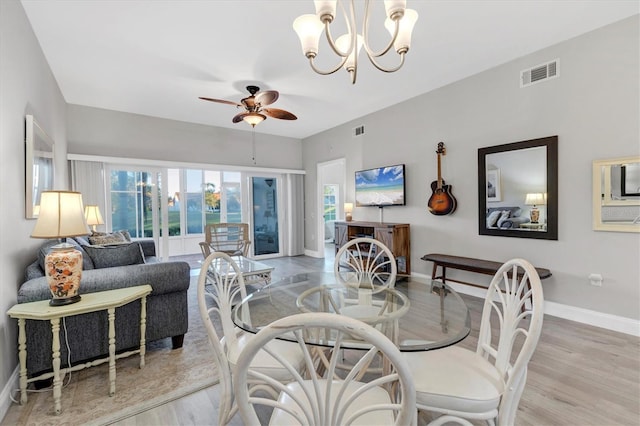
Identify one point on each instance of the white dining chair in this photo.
(227, 340)
(365, 263)
(330, 398)
(486, 384)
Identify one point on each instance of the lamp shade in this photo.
(92, 215)
(535, 198)
(61, 215)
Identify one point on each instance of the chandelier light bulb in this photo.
(407, 22)
(309, 28)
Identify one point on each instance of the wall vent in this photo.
(539, 73)
(358, 131)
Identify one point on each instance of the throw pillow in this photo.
(115, 255)
(115, 237)
(493, 218)
(125, 234)
(504, 215)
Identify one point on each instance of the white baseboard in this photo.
(313, 253)
(572, 313)
(5, 396)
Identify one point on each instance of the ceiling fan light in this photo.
(408, 21)
(254, 118)
(308, 27)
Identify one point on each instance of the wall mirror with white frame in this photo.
(518, 189)
(616, 194)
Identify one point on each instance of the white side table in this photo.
(91, 302)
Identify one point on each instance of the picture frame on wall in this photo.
(494, 190)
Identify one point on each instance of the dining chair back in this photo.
(215, 308)
(486, 384)
(230, 238)
(220, 287)
(325, 395)
(366, 263)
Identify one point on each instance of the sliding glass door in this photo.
(266, 234)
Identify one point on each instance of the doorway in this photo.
(265, 220)
(330, 173)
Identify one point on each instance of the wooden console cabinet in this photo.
(396, 236)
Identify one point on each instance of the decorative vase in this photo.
(535, 215)
(63, 268)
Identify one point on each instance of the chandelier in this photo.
(399, 23)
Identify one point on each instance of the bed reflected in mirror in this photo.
(517, 189)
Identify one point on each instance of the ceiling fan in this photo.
(254, 105)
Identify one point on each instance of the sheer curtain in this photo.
(294, 240)
(87, 177)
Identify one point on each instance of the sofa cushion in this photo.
(504, 215)
(115, 255)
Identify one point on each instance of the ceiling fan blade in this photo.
(267, 97)
(220, 101)
(238, 117)
(278, 113)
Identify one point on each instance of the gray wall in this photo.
(95, 131)
(593, 107)
(27, 87)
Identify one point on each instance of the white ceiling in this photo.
(155, 57)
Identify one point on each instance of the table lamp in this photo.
(61, 216)
(533, 199)
(93, 216)
(348, 209)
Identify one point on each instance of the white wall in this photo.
(27, 87)
(593, 107)
(94, 131)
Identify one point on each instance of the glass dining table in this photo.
(418, 314)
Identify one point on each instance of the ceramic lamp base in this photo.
(535, 215)
(348, 217)
(63, 268)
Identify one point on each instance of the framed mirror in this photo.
(38, 165)
(518, 189)
(616, 194)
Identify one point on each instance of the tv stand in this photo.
(395, 236)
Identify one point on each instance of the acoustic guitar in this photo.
(441, 202)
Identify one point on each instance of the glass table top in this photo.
(417, 314)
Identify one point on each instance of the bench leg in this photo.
(177, 341)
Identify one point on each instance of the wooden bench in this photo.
(480, 266)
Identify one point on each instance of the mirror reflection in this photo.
(616, 194)
(39, 165)
(518, 189)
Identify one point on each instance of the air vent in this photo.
(358, 131)
(539, 73)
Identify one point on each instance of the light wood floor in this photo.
(579, 374)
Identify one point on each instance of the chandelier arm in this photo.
(381, 68)
(331, 71)
(351, 27)
(365, 35)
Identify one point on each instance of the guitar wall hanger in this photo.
(442, 201)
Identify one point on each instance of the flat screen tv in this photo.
(380, 187)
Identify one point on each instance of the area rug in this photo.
(168, 375)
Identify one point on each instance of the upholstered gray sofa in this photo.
(87, 333)
(505, 217)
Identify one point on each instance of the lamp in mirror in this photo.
(93, 216)
(61, 216)
(535, 199)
